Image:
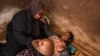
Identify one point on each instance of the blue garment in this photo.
(71, 49)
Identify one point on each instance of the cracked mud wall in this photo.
(79, 16)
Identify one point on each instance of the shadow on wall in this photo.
(13, 3)
(5, 17)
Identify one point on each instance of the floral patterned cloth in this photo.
(29, 52)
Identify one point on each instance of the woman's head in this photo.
(68, 36)
(35, 8)
(60, 42)
(45, 46)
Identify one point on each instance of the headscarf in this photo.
(35, 6)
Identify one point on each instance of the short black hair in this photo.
(71, 37)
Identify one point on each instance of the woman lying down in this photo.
(54, 46)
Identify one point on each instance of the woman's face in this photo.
(65, 36)
(39, 14)
(59, 45)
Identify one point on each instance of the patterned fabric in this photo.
(64, 53)
(29, 52)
